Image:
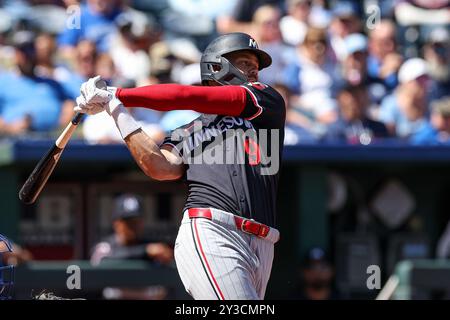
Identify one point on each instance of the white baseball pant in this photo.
(218, 261)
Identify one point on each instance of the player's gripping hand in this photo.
(92, 108)
(92, 99)
(92, 93)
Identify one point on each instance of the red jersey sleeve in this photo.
(256, 102)
(264, 107)
(221, 100)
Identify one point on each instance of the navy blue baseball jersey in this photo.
(232, 163)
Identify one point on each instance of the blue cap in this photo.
(126, 206)
(355, 42)
(316, 254)
(345, 9)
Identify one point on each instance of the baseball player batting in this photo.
(225, 244)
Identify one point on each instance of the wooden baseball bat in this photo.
(38, 178)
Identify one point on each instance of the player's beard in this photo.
(252, 76)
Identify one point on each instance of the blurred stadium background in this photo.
(366, 172)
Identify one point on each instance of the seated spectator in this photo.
(163, 62)
(83, 68)
(405, 111)
(130, 46)
(311, 77)
(355, 69)
(437, 55)
(194, 21)
(96, 25)
(29, 102)
(384, 62)
(294, 25)
(354, 63)
(45, 47)
(127, 242)
(266, 32)
(354, 125)
(345, 22)
(105, 67)
(320, 16)
(299, 129)
(241, 16)
(438, 132)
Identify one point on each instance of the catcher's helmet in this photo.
(214, 66)
(6, 271)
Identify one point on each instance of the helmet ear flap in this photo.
(228, 74)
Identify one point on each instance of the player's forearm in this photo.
(146, 152)
(223, 100)
(150, 159)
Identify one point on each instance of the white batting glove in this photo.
(92, 94)
(90, 109)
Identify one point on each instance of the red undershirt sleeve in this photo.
(221, 100)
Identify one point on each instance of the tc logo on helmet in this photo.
(252, 43)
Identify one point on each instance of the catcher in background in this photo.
(229, 157)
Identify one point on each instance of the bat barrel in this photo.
(38, 178)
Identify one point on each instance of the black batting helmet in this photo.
(225, 72)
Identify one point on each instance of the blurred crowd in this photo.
(357, 72)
